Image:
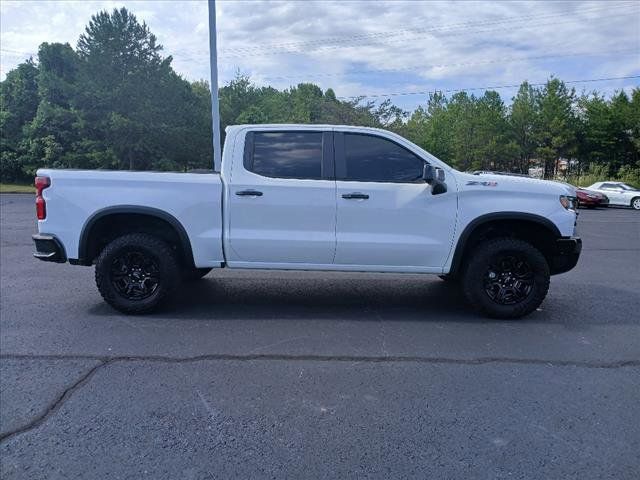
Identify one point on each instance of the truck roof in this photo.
(304, 126)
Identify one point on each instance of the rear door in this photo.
(386, 214)
(281, 200)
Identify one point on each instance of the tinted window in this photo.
(374, 159)
(287, 154)
(609, 186)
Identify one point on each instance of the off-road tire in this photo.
(194, 274)
(478, 266)
(169, 274)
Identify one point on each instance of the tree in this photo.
(134, 104)
(389, 115)
(556, 126)
(494, 149)
(18, 106)
(523, 118)
(18, 102)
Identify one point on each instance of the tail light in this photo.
(41, 206)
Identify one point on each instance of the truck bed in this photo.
(78, 197)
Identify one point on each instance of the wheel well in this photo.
(106, 227)
(531, 231)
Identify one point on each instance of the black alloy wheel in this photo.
(509, 279)
(134, 274)
(505, 277)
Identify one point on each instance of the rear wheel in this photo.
(136, 272)
(506, 278)
(635, 203)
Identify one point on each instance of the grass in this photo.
(12, 188)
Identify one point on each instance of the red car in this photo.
(591, 199)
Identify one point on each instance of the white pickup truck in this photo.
(311, 197)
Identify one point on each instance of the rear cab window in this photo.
(289, 154)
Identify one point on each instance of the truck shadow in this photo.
(345, 297)
(339, 297)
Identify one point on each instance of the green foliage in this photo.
(522, 121)
(115, 102)
(596, 172)
(542, 127)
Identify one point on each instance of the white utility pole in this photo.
(215, 106)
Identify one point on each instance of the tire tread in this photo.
(162, 250)
(476, 267)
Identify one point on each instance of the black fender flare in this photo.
(83, 244)
(492, 217)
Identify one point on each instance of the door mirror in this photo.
(429, 173)
(435, 177)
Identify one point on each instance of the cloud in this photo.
(366, 47)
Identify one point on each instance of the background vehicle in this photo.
(619, 193)
(591, 198)
(311, 197)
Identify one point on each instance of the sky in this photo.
(372, 48)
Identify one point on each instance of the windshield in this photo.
(626, 186)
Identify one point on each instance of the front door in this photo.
(386, 214)
(281, 200)
(614, 192)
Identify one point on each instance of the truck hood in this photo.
(489, 182)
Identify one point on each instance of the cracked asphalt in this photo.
(320, 375)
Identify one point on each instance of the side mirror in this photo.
(429, 173)
(435, 177)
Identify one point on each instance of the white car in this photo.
(619, 193)
(311, 197)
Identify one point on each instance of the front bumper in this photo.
(566, 255)
(589, 202)
(48, 248)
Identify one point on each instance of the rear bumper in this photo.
(566, 255)
(49, 248)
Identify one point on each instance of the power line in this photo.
(426, 30)
(459, 64)
(444, 34)
(495, 87)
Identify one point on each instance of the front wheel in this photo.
(506, 278)
(635, 203)
(136, 272)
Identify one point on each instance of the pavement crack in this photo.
(329, 358)
(108, 360)
(56, 404)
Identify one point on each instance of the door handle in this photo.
(249, 193)
(355, 195)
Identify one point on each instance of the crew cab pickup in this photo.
(311, 197)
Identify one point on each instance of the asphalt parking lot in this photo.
(320, 375)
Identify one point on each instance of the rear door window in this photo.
(285, 154)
